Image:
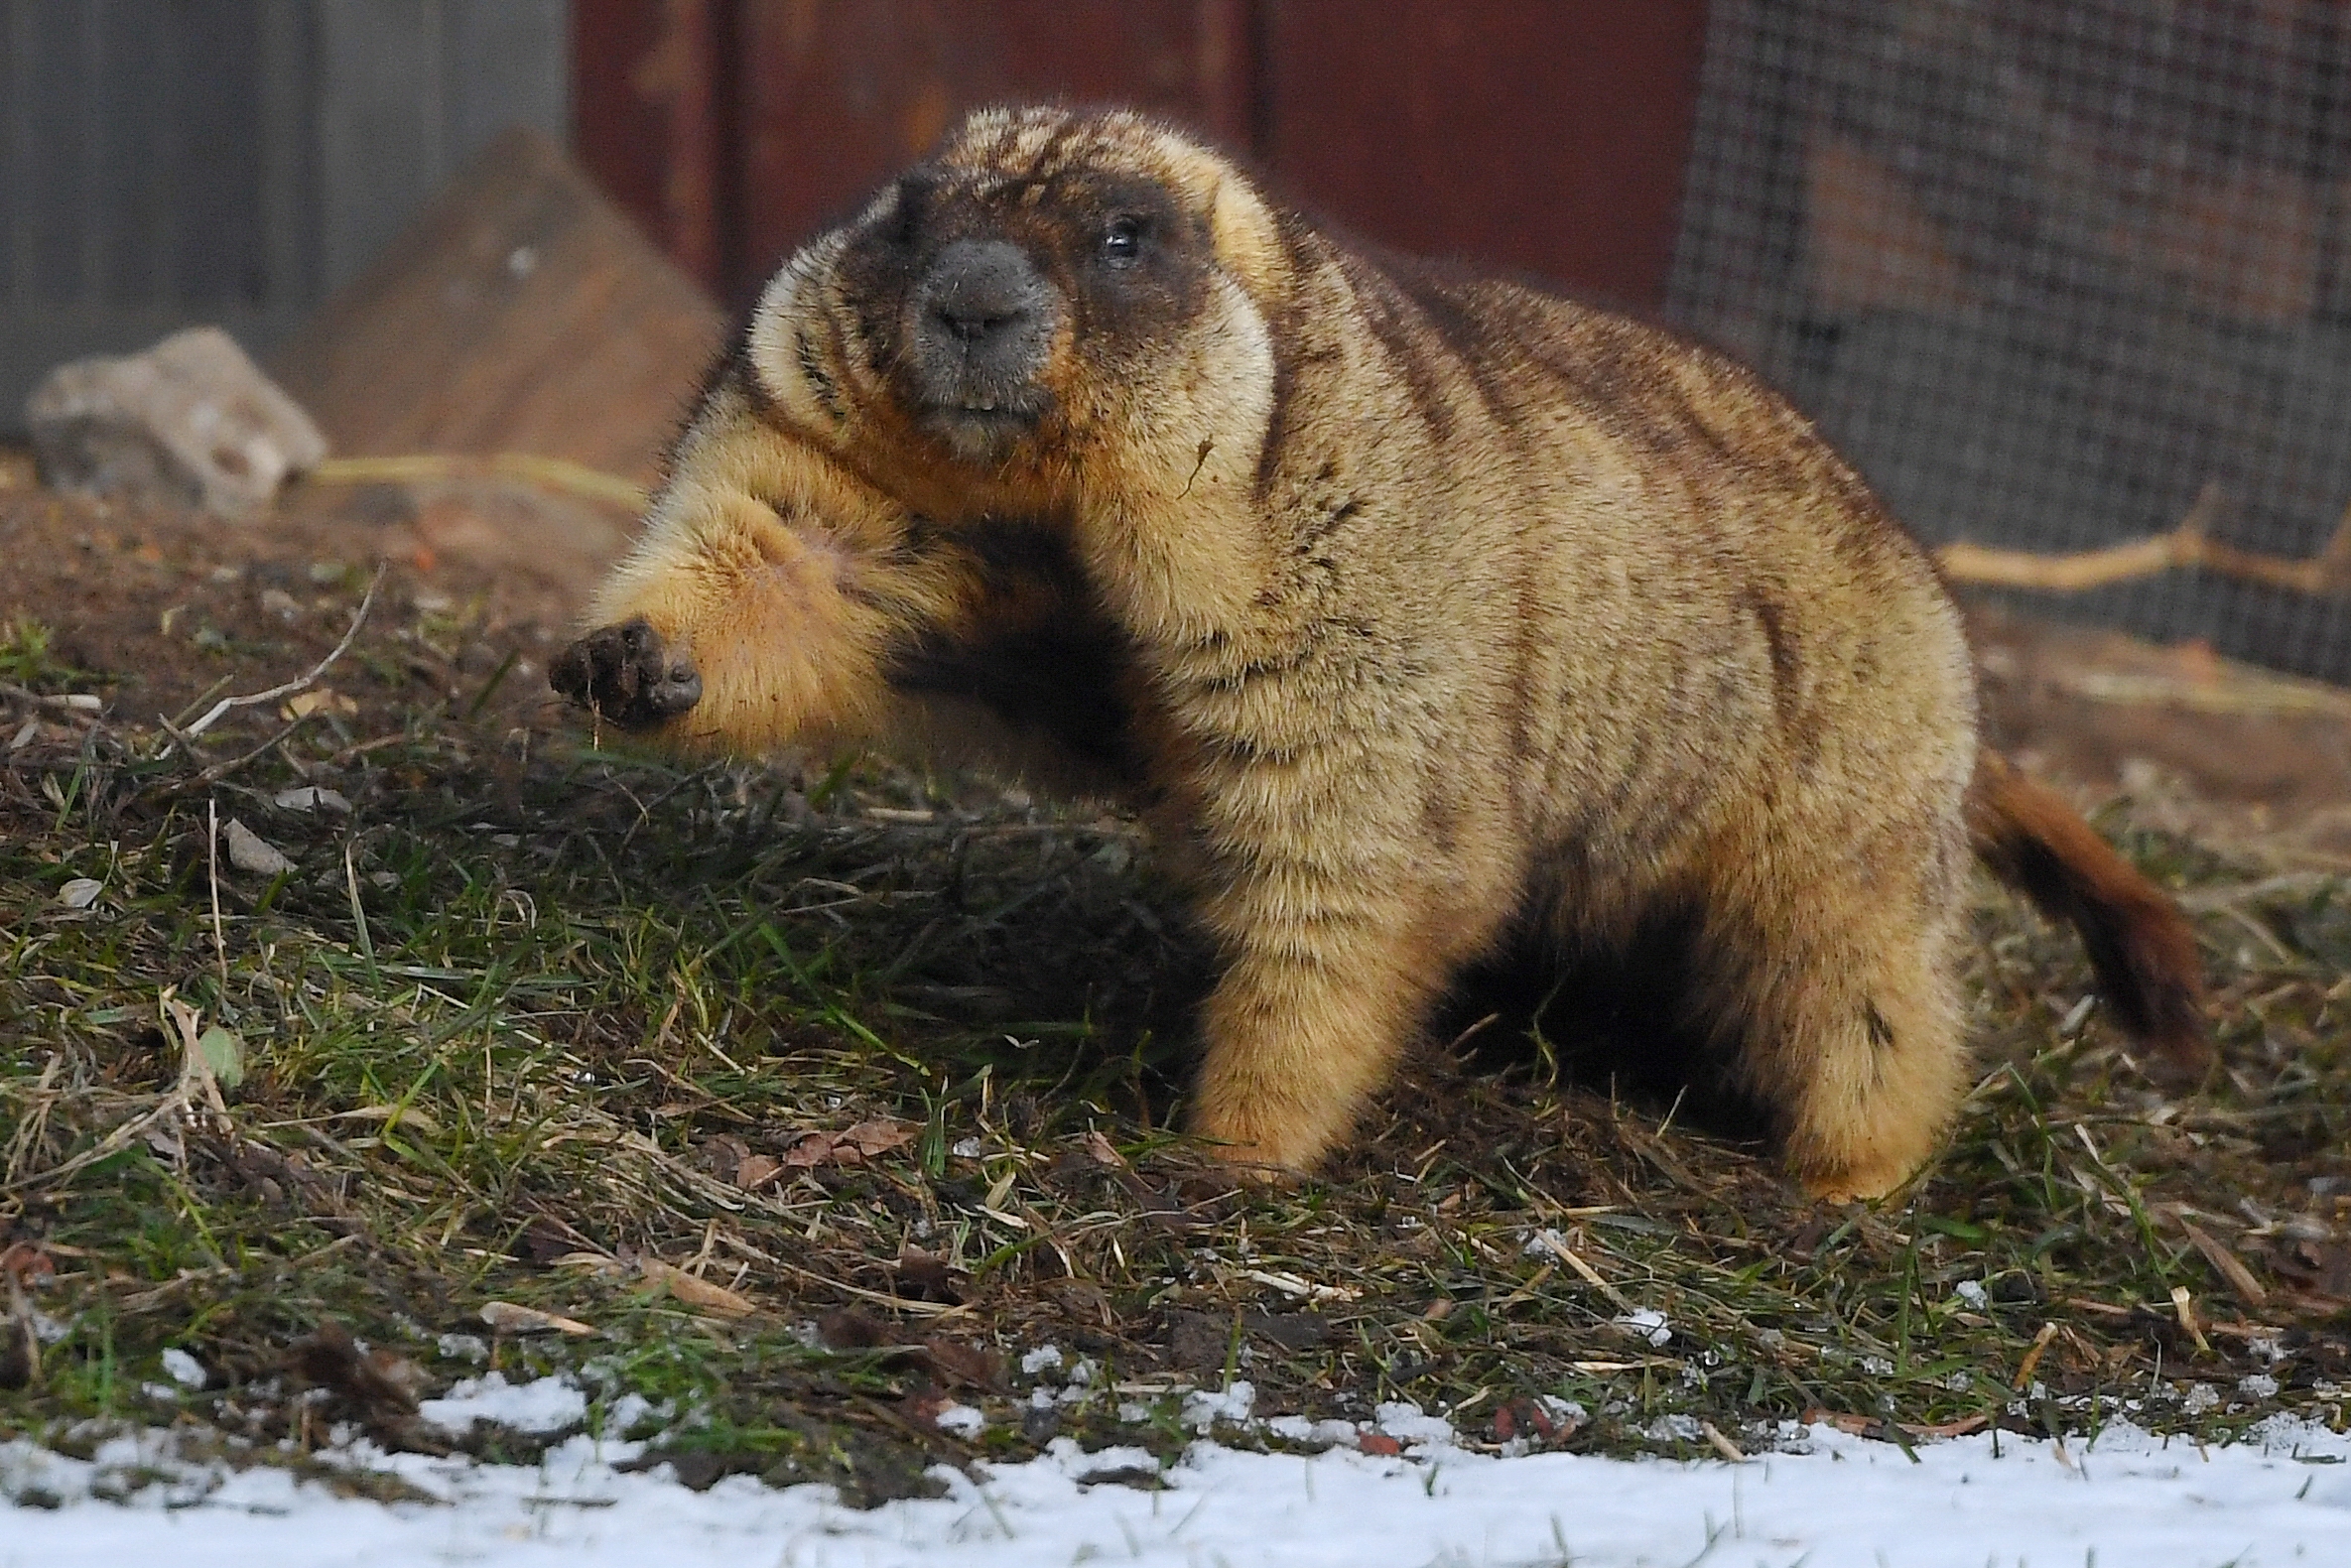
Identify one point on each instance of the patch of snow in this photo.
(545, 1404)
(1202, 1409)
(1645, 1323)
(1406, 1423)
(962, 1420)
(1036, 1360)
(1822, 1497)
(183, 1369)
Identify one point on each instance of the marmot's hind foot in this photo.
(626, 676)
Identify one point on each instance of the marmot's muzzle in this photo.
(981, 326)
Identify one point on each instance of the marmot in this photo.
(1416, 609)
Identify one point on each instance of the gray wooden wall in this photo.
(169, 162)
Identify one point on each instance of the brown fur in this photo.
(1418, 608)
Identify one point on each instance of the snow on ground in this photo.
(2128, 1499)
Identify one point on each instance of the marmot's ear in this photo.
(789, 312)
(1248, 238)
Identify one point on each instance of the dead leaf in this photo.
(26, 1263)
(321, 698)
(2231, 1268)
(719, 1155)
(756, 1170)
(847, 1329)
(962, 1366)
(878, 1136)
(1856, 1425)
(80, 893)
(924, 1408)
(851, 1148)
(694, 1291)
(542, 1242)
(377, 1380)
(1378, 1443)
(808, 1150)
(20, 1345)
(1100, 1150)
(309, 796)
(926, 1276)
(507, 1317)
(2317, 1267)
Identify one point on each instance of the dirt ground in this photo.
(165, 601)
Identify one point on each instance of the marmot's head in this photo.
(1047, 279)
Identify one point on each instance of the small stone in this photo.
(80, 893)
(190, 420)
(249, 851)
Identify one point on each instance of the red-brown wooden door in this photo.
(1542, 136)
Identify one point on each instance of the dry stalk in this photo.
(553, 473)
(290, 688)
(2189, 545)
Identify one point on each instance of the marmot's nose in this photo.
(979, 290)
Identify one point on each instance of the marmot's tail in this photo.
(2141, 946)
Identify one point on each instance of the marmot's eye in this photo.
(1122, 241)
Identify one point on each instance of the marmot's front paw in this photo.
(625, 675)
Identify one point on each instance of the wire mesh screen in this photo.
(2056, 274)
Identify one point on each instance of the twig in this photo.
(173, 1100)
(2243, 694)
(2230, 1266)
(291, 686)
(181, 738)
(212, 874)
(82, 704)
(2293, 884)
(215, 772)
(2189, 545)
(1557, 1247)
(2031, 1362)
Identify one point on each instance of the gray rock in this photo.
(249, 851)
(190, 420)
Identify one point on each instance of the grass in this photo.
(821, 1100)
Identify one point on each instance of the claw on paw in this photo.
(626, 675)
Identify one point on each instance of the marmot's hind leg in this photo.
(1847, 1022)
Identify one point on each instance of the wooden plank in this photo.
(1544, 136)
(648, 83)
(502, 63)
(522, 311)
(55, 156)
(379, 125)
(835, 98)
(404, 95)
(12, 139)
(211, 206)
